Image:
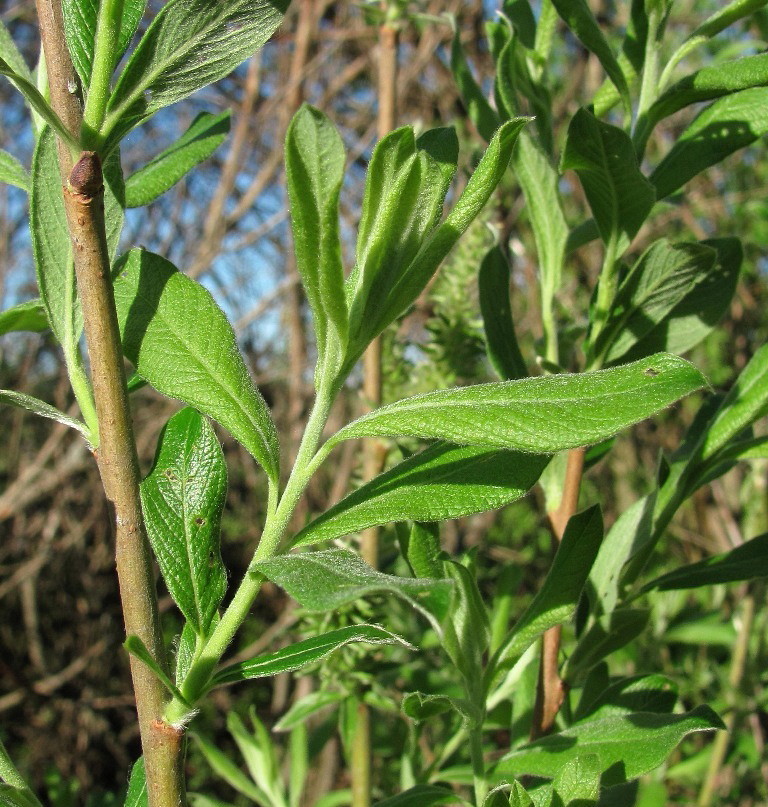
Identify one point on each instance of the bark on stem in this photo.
(162, 744)
(550, 692)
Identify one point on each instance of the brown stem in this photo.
(551, 691)
(118, 464)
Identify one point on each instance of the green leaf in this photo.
(501, 340)
(539, 415)
(314, 165)
(182, 499)
(539, 182)
(421, 549)
(80, 17)
(519, 13)
(380, 297)
(444, 481)
(205, 134)
(223, 766)
(11, 55)
(626, 746)
(43, 409)
(556, 601)
(259, 754)
(745, 562)
(37, 102)
(13, 172)
(326, 580)
(663, 277)
(706, 84)
(190, 44)
(746, 401)
(640, 693)
(753, 449)
(180, 341)
(27, 316)
(185, 653)
(580, 20)
(421, 707)
(308, 651)
(406, 184)
(518, 797)
(138, 649)
(479, 110)
(422, 796)
(699, 310)
(11, 796)
(137, 786)
(577, 783)
(609, 633)
(727, 125)
(603, 156)
(727, 15)
(308, 706)
(50, 238)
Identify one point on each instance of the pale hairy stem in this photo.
(162, 745)
(550, 691)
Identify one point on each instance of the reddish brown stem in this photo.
(551, 689)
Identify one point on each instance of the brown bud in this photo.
(86, 177)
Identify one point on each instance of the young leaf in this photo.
(259, 754)
(609, 633)
(13, 172)
(185, 653)
(213, 37)
(699, 310)
(727, 125)
(626, 746)
(519, 13)
(420, 707)
(182, 499)
(137, 786)
(422, 796)
(725, 16)
(603, 156)
(180, 341)
(539, 182)
(377, 304)
(314, 165)
(518, 797)
(444, 481)
(557, 599)
(706, 84)
(137, 648)
(307, 706)
(205, 134)
(539, 415)
(28, 316)
(501, 340)
(579, 18)
(663, 276)
(421, 549)
(308, 651)
(43, 409)
(326, 580)
(480, 112)
(38, 103)
(80, 17)
(745, 562)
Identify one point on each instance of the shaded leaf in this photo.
(223, 766)
(13, 172)
(182, 499)
(137, 786)
(727, 125)
(422, 796)
(326, 580)
(205, 134)
(420, 707)
(444, 481)
(180, 341)
(603, 156)
(479, 110)
(308, 706)
(577, 783)
(501, 340)
(626, 746)
(640, 693)
(308, 651)
(745, 562)
(38, 407)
